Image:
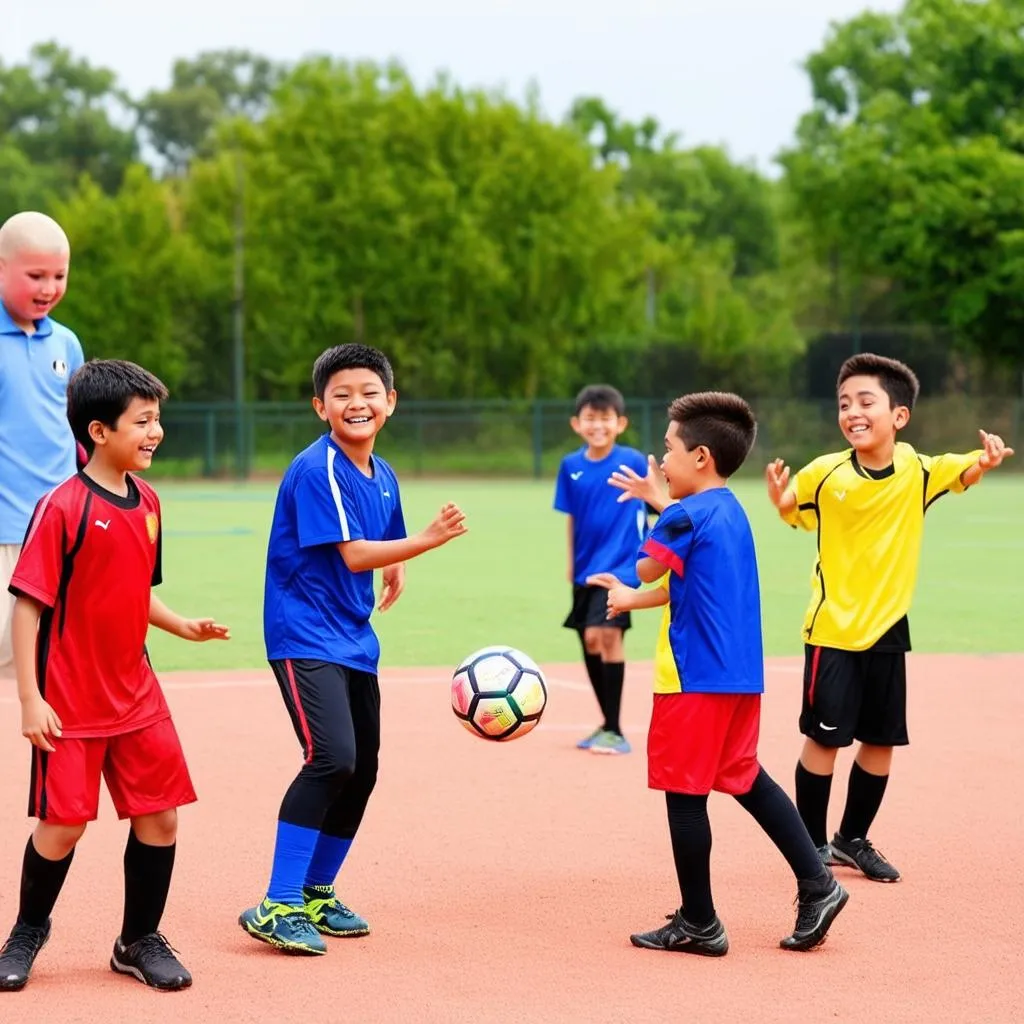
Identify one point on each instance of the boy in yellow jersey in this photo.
(867, 504)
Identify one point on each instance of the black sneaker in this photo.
(859, 853)
(19, 954)
(817, 907)
(825, 853)
(151, 959)
(679, 936)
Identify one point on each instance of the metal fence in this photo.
(528, 438)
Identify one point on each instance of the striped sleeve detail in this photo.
(336, 495)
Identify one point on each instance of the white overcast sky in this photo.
(725, 72)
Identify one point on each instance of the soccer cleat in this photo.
(19, 954)
(329, 915)
(817, 908)
(586, 744)
(679, 936)
(152, 961)
(859, 853)
(611, 743)
(825, 853)
(284, 927)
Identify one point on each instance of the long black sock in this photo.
(595, 669)
(776, 814)
(41, 882)
(863, 798)
(614, 674)
(812, 793)
(690, 829)
(147, 880)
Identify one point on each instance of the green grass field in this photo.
(504, 582)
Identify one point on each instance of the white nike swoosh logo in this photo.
(102, 525)
(576, 476)
(828, 728)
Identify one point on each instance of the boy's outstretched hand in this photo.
(776, 475)
(203, 629)
(646, 488)
(449, 523)
(994, 451)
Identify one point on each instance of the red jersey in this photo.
(91, 557)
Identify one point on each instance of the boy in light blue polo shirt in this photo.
(37, 358)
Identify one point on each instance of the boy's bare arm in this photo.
(188, 629)
(649, 569)
(39, 722)
(992, 455)
(364, 555)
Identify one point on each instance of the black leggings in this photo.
(690, 830)
(335, 712)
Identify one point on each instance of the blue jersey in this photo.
(607, 533)
(714, 600)
(314, 606)
(37, 450)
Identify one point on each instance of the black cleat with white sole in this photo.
(152, 961)
(679, 936)
(19, 954)
(818, 905)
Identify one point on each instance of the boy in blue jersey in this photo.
(338, 517)
(604, 535)
(706, 715)
(37, 358)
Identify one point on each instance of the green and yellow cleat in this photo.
(329, 915)
(284, 927)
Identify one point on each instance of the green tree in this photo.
(910, 167)
(68, 117)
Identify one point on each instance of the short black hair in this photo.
(897, 379)
(102, 389)
(600, 398)
(350, 357)
(723, 422)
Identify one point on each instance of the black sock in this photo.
(41, 882)
(595, 669)
(147, 880)
(812, 793)
(863, 798)
(614, 673)
(690, 829)
(776, 814)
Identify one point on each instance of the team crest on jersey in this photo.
(60, 368)
(152, 527)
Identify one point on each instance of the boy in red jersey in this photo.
(90, 701)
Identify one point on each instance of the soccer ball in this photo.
(498, 693)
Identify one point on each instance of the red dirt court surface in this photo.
(502, 881)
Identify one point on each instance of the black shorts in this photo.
(590, 608)
(854, 695)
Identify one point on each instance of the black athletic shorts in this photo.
(590, 608)
(854, 695)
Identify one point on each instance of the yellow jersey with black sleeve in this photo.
(666, 674)
(869, 525)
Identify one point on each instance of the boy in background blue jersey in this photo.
(605, 532)
(338, 517)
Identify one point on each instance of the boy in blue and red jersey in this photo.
(706, 715)
(91, 704)
(605, 530)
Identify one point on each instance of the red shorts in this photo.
(703, 741)
(145, 772)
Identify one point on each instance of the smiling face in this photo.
(682, 467)
(600, 428)
(356, 404)
(32, 283)
(129, 445)
(867, 417)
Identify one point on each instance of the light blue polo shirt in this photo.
(37, 449)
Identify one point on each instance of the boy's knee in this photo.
(336, 762)
(160, 829)
(592, 639)
(55, 842)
